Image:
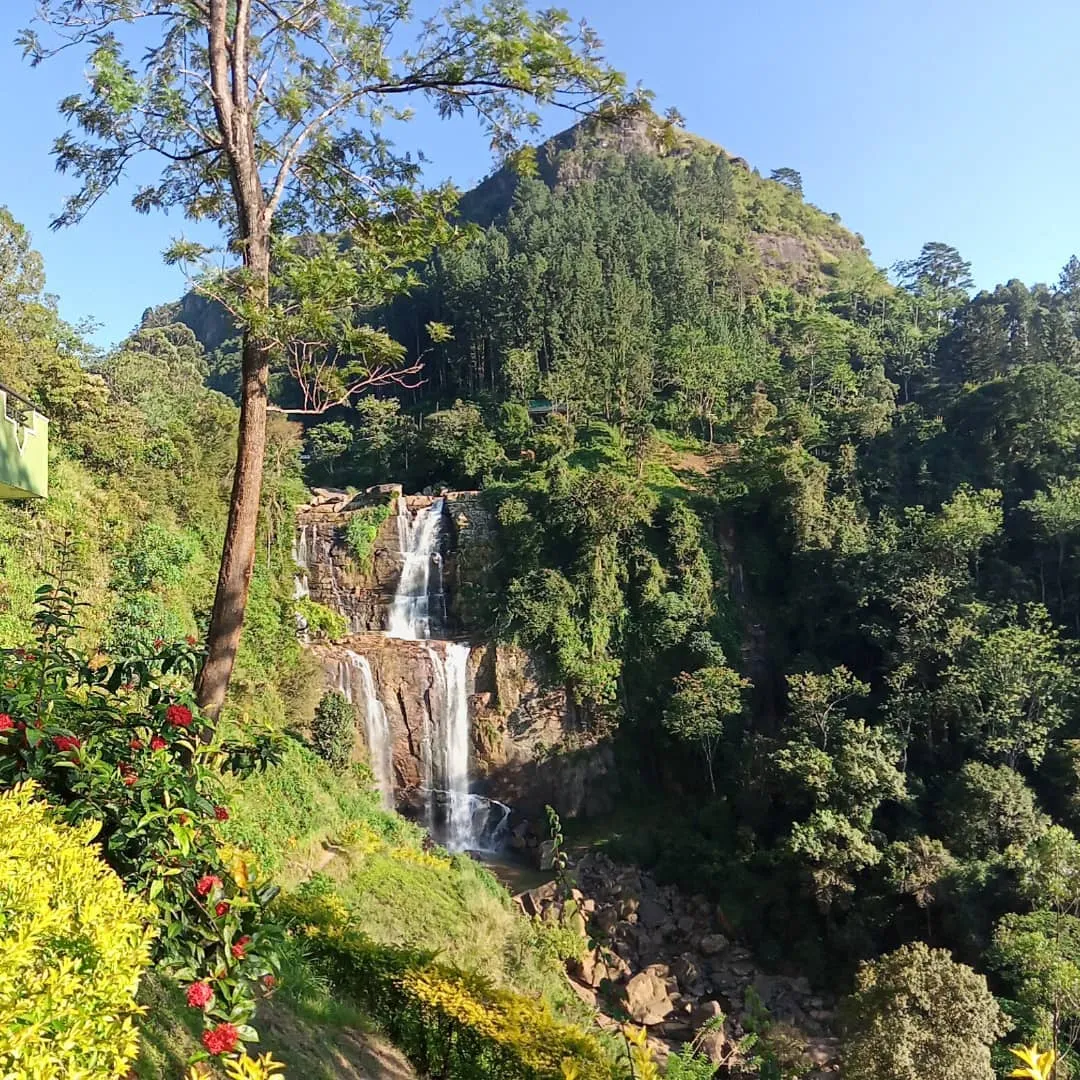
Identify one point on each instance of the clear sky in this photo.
(951, 120)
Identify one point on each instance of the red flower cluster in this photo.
(192, 640)
(199, 995)
(127, 774)
(158, 743)
(6, 723)
(269, 982)
(221, 1040)
(136, 744)
(221, 909)
(178, 715)
(63, 743)
(207, 884)
(221, 813)
(239, 950)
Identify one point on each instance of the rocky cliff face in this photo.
(529, 746)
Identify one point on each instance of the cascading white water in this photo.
(451, 753)
(418, 536)
(445, 758)
(377, 729)
(301, 556)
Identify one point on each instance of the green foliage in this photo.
(449, 1022)
(73, 946)
(704, 703)
(284, 811)
(333, 729)
(361, 530)
(459, 446)
(914, 1008)
(988, 809)
(119, 747)
(321, 621)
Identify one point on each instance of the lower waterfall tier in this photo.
(517, 737)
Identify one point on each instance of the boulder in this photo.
(652, 914)
(647, 1000)
(605, 920)
(686, 970)
(706, 1011)
(713, 944)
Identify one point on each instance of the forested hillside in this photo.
(799, 536)
(141, 468)
(804, 537)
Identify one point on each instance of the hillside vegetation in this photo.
(802, 541)
(804, 538)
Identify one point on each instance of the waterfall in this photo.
(377, 728)
(451, 749)
(418, 536)
(445, 758)
(417, 613)
(302, 557)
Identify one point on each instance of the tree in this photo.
(916, 1013)
(22, 272)
(939, 271)
(790, 178)
(915, 868)
(1039, 954)
(266, 120)
(1012, 687)
(841, 770)
(1056, 513)
(988, 808)
(701, 707)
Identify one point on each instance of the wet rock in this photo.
(713, 944)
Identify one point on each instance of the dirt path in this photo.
(315, 1051)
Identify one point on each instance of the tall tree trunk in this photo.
(232, 107)
(238, 552)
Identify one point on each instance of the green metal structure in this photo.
(24, 448)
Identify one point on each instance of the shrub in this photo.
(915, 1008)
(450, 1023)
(333, 729)
(72, 948)
(121, 746)
(321, 621)
(362, 529)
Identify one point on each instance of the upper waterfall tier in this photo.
(388, 587)
(420, 599)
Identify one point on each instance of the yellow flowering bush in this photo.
(451, 1023)
(418, 857)
(72, 947)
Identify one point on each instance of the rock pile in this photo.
(668, 961)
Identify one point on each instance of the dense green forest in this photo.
(802, 535)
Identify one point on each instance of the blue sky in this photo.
(950, 120)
